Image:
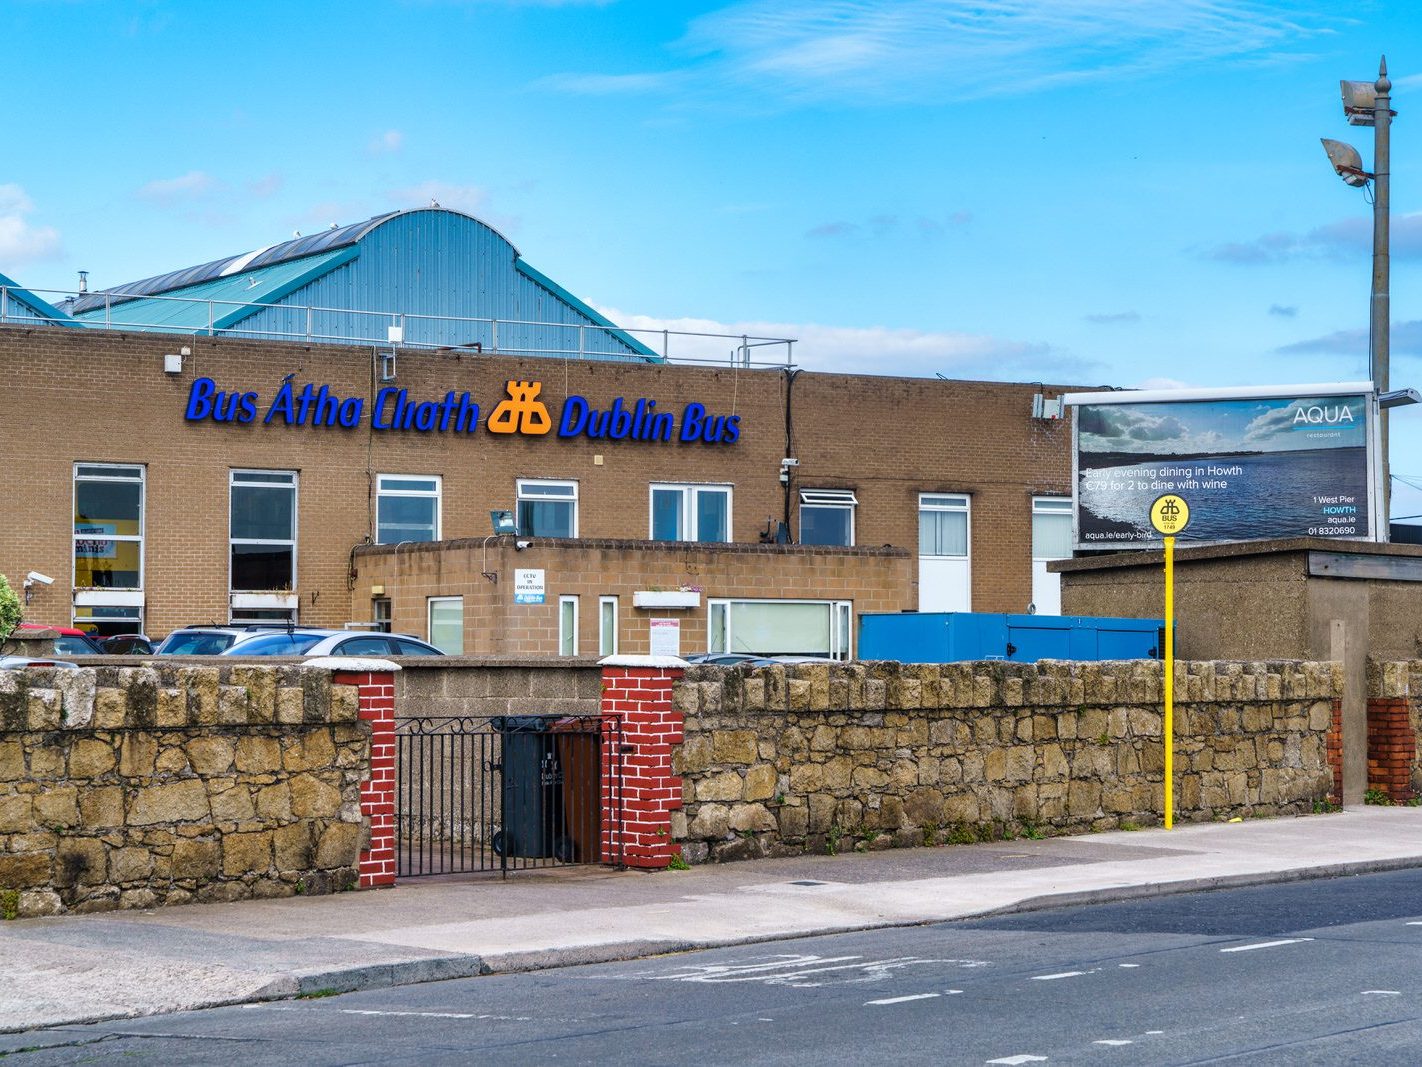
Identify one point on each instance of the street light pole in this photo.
(1380, 320)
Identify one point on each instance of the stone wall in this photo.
(814, 758)
(129, 787)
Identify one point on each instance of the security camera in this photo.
(519, 546)
(36, 576)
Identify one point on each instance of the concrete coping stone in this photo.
(662, 662)
(352, 664)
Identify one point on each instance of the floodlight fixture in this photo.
(1347, 163)
(1396, 398)
(503, 522)
(1359, 100)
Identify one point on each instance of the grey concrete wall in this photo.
(451, 686)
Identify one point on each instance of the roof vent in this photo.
(83, 281)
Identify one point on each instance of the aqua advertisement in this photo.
(1249, 468)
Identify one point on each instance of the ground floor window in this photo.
(108, 526)
(106, 620)
(268, 615)
(781, 627)
(446, 624)
(607, 626)
(262, 523)
(380, 614)
(567, 626)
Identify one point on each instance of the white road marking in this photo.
(1155, 1031)
(1109, 1041)
(798, 971)
(1052, 977)
(437, 1014)
(903, 1000)
(1129, 965)
(1025, 1057)
(1267, 944)
(1415, 922)
(1382, 992)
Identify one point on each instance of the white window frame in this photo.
(74, 538)
(688, 491)
(570, 497)
(830, 499)
(606, 636)
(954, 502)
(430, 602)
(841, 622)
(419, 494)
(567, 637)
(1051, 505)
(232, 481)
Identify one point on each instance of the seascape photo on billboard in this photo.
(1249, 469)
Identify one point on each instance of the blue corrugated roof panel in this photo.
(19, 305)
(216, 303)
(442, 274)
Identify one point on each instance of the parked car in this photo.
(728, 659)
(204, 640)
(70, 642)
(15, 663)
(127, 645)
(306, 642)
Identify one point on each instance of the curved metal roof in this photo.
(296, 248)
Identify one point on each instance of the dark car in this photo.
(127, 645)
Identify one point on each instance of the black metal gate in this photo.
(506, 792)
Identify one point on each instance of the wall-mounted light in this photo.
(173, 361)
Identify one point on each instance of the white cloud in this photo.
(1347, 238)
(20, 240)
(190, 186)
(868, 51)
(468, 198)
(386, 143)
(862, 350)
(604, 84)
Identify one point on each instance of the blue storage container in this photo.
(948, 637)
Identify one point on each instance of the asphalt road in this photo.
(1321, 972)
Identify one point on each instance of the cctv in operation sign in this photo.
(1266, 462)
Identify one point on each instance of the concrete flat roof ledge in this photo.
(1236, 550)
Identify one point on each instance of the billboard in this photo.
(1283, 461)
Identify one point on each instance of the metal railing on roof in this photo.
(195, 316)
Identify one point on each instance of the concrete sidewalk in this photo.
(89, 967)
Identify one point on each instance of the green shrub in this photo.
(9, 608)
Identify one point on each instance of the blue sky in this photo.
(1082, 191)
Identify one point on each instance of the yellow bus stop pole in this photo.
(1169, 726)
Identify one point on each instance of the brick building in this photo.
(149, 517)
(177, 458)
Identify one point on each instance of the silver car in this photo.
(307, 642)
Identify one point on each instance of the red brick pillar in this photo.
(377, 793)
(1392, 747)
(639, 729)
(1335, 751)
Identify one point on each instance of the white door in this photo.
(1051, 539)
(944, 564)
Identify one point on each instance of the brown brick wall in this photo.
(99, 396)
(873, 579)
